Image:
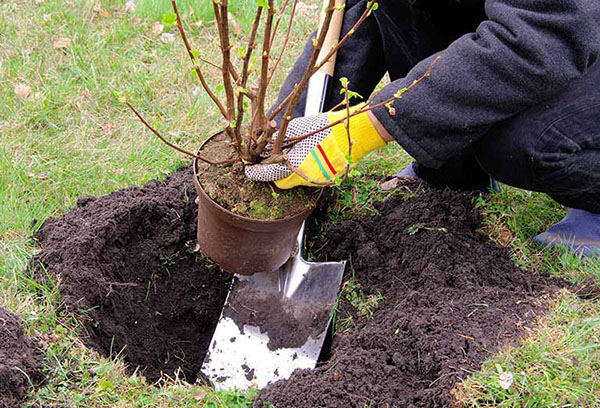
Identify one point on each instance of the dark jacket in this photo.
(523, 54)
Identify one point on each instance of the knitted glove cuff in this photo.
(363, 134)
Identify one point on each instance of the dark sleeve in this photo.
(523, 54)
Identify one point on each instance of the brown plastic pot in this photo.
(243, 245)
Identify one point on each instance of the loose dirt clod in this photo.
(20, 361)
(447, 297)
(126, 264)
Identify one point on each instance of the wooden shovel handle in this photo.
(333, 36)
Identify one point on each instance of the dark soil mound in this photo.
(126, 263)
(451, 297)
(19, 358)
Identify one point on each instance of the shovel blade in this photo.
(272, 324)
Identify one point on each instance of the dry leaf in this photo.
(22, 91)
(130, 6)
(237, 30)
(42, 176)
(390, 184)
(196, 91)
(61, 43)
(47, 17)
(199, 396)
(505, 379)
(157, 28)
(307, 9)
(86, 94)
(167, 38)
(109, 128)
(99, 10)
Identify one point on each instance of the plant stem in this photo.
(366, 108)
(179, 149)
(245, 74)
(195, 62)
(222, 21)
(258, 118)
(330, 54)
(301, 86)
(285, 43)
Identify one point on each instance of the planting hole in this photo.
(127, 264)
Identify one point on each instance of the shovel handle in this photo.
(333, 35)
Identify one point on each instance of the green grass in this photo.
(558, 365)
(202, 10)
(69, 136)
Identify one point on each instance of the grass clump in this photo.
(558, 365)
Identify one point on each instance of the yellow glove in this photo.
(322, 156)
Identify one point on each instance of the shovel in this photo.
(273, 323)
(276, 322)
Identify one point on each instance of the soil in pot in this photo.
(229, 187)
(127, 266)
(427, 301)
(20, 358)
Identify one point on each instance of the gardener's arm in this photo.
(523, 54)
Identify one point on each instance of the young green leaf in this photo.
(168, 19)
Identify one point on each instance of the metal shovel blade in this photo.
(273, 323)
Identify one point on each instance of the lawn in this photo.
(64, 64)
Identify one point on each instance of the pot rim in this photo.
(302, 214)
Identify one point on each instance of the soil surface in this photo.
(450, 298)
(288, 322)
(232, 190)
(19, 358)
(441, 296)
(126, 264)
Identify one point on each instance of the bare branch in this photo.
(299, 89)
(349, 34)
(274, 31)
(347, 126)
(245, 72)
(179, 149)
(258, 117)
(329, 55)
(367, 108)
(285, 43)
(195, 62)
(222, 21)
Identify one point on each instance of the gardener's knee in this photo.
(556, 151)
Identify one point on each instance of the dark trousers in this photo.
(553, 147)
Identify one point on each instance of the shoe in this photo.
(410, 173)
(578, 232)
